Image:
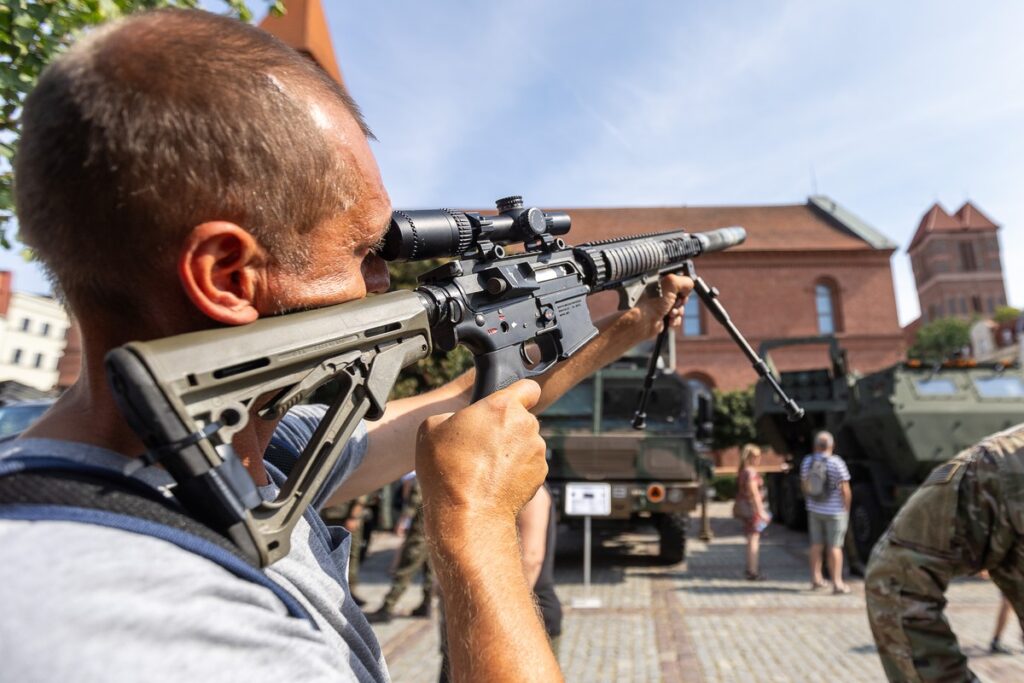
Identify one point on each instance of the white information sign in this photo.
(591, 499)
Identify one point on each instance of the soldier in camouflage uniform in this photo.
(967, 516)
(412, 556)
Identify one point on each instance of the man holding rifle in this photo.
(180, 171)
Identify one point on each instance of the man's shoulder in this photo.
(118, 601)
(71, 556)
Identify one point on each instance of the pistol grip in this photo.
(498, 369)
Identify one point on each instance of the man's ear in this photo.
(220, 267)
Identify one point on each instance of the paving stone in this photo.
(701, 621)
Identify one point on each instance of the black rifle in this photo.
(186, 396)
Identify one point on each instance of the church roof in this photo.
(968, 218)
(304, 28)
(820, 224)
(971, 216)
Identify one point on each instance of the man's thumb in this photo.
(525, 391)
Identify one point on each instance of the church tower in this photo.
(957, 264)
(304, 28)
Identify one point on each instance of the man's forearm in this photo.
(619, 333)
(494, 631)
(392, 441)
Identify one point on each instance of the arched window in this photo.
(693, 321)
(827, 306)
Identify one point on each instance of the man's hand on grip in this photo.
(484, 461)
(675, 289)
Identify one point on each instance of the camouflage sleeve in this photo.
(1005, 553)
(907, 577)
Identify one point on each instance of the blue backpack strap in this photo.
(53, 489)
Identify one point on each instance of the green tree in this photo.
(940, 339)
(439, 367)
(32, 33)
(1006, 314)
(734, 418)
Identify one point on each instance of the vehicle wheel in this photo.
(672, 537)
(867, 522)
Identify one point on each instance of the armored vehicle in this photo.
(892, 427)
(657, 475)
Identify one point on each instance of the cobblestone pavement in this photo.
(701, 621)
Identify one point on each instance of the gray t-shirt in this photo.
(80, 602)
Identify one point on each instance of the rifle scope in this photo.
(442, 233)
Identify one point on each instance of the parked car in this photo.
(17, 417)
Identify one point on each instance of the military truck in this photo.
(892, 427)
(658, 475)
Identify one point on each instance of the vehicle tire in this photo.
(672, 537)
(867, 523)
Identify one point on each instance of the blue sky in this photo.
(886, 107)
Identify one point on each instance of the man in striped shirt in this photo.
(826, 485)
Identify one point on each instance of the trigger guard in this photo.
(548, 356)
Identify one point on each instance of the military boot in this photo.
(424, 610)
(381, 616)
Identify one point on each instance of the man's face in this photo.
(341, 265)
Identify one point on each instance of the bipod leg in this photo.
(709, 295)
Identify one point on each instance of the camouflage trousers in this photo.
(411, 558)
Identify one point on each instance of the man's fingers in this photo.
(525, 391)
(680, 285)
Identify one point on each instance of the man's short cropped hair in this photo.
(161, 121)
(824, 441)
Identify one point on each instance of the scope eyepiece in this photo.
(417, 235)
(445, 233)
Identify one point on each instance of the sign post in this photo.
(587, 499)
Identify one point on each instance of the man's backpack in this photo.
(817, 484)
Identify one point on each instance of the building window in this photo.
(825, 303)
(25, 322)
(991, 304)
(932, 315)
(16, 357)
(967, 262)
(46, 330)
(976, 304)
(963, 305)
(693, 323)
(952, 306)
(38, 361)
